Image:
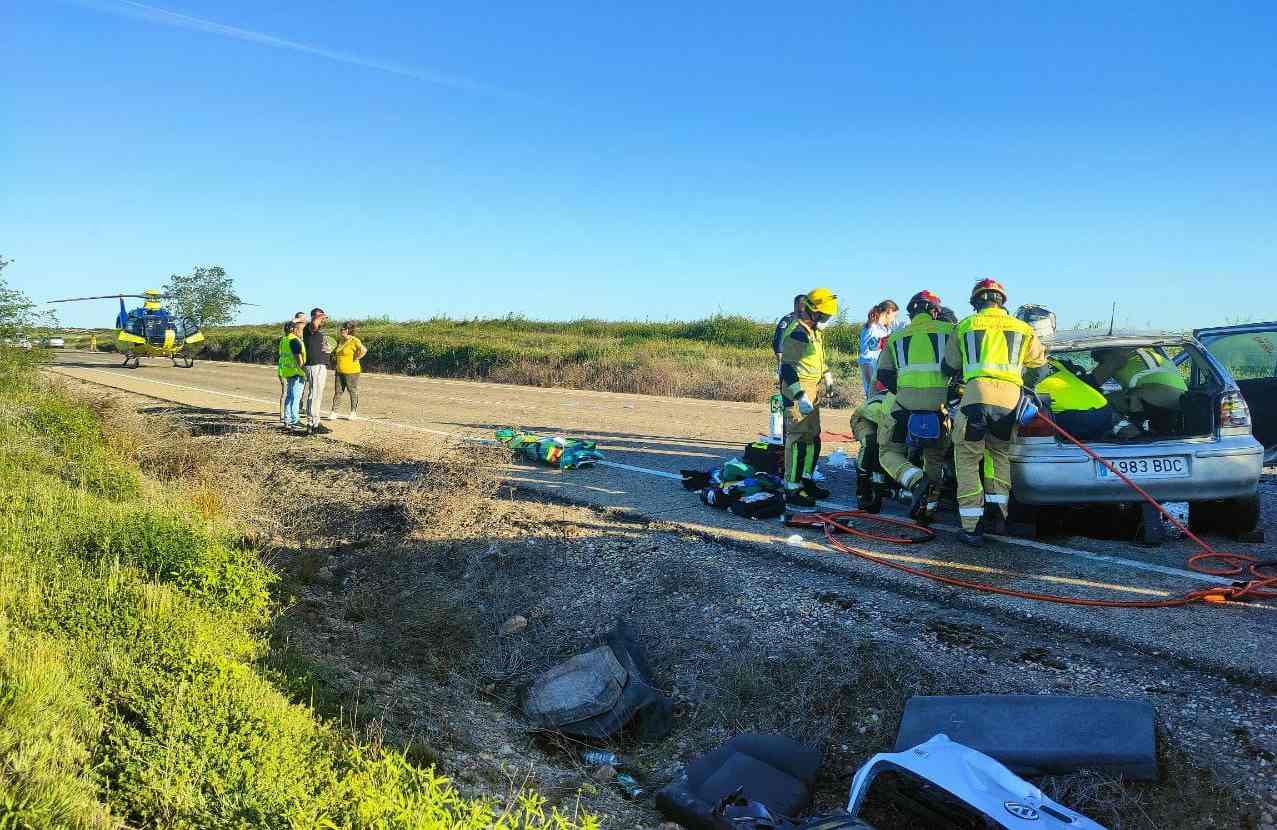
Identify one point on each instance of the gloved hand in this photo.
(804, 405)
(829, 381)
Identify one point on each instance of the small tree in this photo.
(18, 315)
(206, 296)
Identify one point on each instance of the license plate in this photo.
(1154, 466)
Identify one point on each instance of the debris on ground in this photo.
(944, 784)
(768, 770)
(596, 694)
(1041, 734)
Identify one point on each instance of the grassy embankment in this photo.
(720, 358)
(133, 638)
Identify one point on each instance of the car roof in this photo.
(1099, 339)
(1241, 328)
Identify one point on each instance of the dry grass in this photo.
(1188, 795)
(657, 377)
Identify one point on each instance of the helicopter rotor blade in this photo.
(112, 297)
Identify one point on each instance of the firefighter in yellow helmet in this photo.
(805, 381)
(989, 353)
(910, 367)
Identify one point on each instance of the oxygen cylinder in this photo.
(776, 431)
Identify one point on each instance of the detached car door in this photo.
(1249, 353)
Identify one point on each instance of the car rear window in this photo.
(1247, 356)
(1192, 366)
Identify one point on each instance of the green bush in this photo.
(131, 636)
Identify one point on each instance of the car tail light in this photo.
(1037, 428)
(1234, 414)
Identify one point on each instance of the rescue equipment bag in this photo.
(765, 457)
(555, 451)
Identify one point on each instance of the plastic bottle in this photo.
(630, 786)
(776, 429)
(601, 758)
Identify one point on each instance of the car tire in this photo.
(1022, 519)
(1240, 515)
(1203, 516)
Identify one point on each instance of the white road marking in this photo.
(1029, 543)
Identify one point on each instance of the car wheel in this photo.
(1239, 515)
(1203, 516)
(1022, 519)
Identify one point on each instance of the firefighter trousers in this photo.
(982, 438)
(802, 439)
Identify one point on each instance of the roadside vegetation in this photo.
(137, 687)
(720, 358)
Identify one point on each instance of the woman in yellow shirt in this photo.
(346, 364)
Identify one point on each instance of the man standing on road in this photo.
(318, 352)
(909, 367)
(988, 352)
(805, 381)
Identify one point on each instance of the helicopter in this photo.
(151, 330)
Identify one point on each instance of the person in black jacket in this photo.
(318, 353)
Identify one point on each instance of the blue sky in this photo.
(658, 160)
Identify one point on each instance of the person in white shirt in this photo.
(878, 327)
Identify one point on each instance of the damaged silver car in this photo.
(1200, 450)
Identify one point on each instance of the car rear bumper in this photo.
(1048, 473)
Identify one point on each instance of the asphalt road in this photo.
(647, 439)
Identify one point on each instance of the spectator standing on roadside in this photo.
(878, 327)
(318, 353)
(299, 317)
(290, 368)
(350, 350)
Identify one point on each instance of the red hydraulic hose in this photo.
(1261, 585)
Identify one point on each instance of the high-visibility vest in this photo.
(993, 345)
(1147, 367)
(811, 364)
(1069, 393)
(917, 350)
(287, 365)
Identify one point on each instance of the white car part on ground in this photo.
(975, 779)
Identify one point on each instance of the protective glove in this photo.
(804, 405)
(829, 381)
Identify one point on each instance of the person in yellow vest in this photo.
(346, 368)
(910, 367)
(1079, 408)
(805, 381)
(299, 317)
(866, 421)
(292, 357)
(1152, 387)
(93, 342)
(989, 352)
